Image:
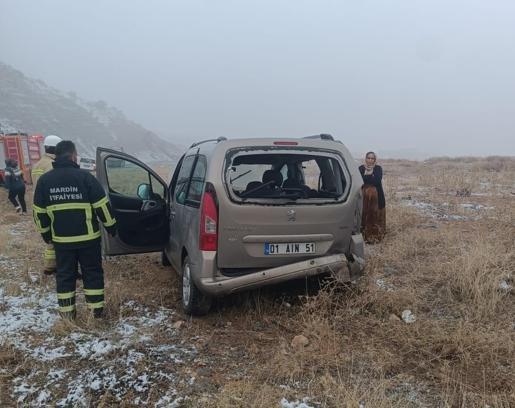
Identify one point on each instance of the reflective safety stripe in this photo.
(35, 214)
(38, 171)
(76, 238)
(100, 202)
(49, 254)
(65, 309)
(39, 226)
(68, 206)
(96, 305)
(66, 295)
(93, 292)
(110, 221)
(39, 210)
(89, 224)
(51, 216)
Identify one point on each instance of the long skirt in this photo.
(373, 220)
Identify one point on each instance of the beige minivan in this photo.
(240, 214)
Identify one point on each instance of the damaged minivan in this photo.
(240, 214)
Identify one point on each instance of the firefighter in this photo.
(68, 205)
(38, 169)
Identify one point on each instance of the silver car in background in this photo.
(240, 214)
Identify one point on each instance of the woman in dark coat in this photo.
(373, 221)
(15, 183)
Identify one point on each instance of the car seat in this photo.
(273, 175)
(252, 185)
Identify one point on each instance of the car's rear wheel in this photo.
(194, 302)
(164, 259)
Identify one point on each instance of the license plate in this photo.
(290, 248)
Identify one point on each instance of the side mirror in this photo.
(181, 197)
(144, 191)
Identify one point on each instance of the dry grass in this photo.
(11, 360)
(459, 352)
(123, 284)
(461, 348)
(476, 273)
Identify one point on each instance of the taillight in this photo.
(208, 223)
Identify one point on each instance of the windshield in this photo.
(287, 176)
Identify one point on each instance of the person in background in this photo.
(69, 204)
(15, 184)
(41, 167)
(373, 222)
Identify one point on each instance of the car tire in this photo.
(164, 259)
(194, 302)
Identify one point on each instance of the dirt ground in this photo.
(431, 324)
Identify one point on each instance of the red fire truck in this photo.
(25, 149)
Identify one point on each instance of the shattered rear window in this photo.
(276, 176)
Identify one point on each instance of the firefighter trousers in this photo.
(90, 260)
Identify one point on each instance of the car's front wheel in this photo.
(194, 302)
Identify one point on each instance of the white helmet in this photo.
(51, 141)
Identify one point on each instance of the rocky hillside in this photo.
(31, 106)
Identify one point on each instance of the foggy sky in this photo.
(437, 76)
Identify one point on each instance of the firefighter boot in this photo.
(98, 313)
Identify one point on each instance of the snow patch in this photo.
(33, 312)
(95, 348)
(408, 316)
(169, 401)
(505, 286)
(43, 397)
(296, 404)
(440, 211)
(43, 353)
(380, 283)
(55, 374)
(119, 367)
(475, 207)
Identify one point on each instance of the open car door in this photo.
(138, 198)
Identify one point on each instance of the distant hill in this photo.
(31, 106)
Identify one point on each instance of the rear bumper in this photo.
(334, 264)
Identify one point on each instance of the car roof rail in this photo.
(217, 140)
(321, 136)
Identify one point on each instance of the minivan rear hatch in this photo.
(283, 204)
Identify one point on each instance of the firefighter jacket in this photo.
(68, 204)
(41, 167)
